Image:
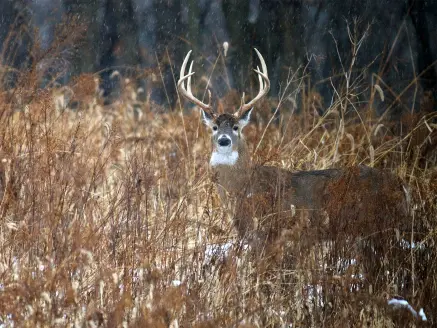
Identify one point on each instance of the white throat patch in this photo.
(223, 158)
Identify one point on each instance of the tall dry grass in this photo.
(108, 216)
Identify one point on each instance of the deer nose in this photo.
(224, 142)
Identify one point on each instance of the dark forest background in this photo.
(134, 36)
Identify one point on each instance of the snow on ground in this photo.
(396, 303)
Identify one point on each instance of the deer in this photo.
(265, 199)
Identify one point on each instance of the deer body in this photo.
(359, 197)
(354, 199)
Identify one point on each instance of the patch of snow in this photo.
(411, 245)
(176, 283)
(422, 314)
(217, 250)
(404, 304)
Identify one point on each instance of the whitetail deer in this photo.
(351, 200)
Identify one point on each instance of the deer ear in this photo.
(208, 118)
(244, 118)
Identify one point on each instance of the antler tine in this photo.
(186, 91)
(190, 73)
(264, 84)
(263, 63)
(261, 83)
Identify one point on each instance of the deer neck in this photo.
(231, 169)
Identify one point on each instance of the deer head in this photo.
(226, 128)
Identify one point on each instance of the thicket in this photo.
(108, 215)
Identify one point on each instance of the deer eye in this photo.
(215, 127)
(235, 127)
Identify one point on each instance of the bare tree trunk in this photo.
(15, 40)
(426, 60)
(119, 43)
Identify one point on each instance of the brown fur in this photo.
(268, 200)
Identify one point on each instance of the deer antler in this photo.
(264, 86)
(186, 91)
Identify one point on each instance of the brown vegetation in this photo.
(109, 217)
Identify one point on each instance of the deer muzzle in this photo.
(224, 141)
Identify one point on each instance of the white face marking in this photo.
(219, 158)
(224, 150)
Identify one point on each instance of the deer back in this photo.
(353, 200)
